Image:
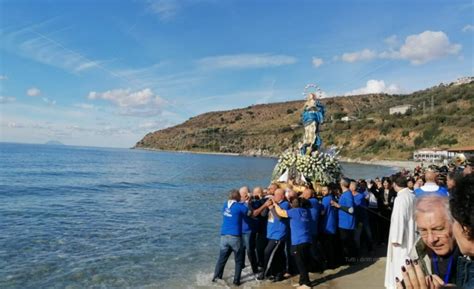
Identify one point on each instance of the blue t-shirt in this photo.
(329, 223)
(442, 191)
(300, 221)
(346, 220)
(360, 205)
(315, 212)
(276, 226)
(250, 224)
(232, 218)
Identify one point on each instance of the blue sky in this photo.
(105, 73)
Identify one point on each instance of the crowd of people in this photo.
(424, 217)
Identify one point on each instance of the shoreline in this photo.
(399, 164)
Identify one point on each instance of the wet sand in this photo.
(367, 273)
(361, 276)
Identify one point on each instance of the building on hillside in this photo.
(401, 109)
(430, 155)
(468, 151)
(348, 118)
(463, 80)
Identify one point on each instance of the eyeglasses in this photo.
(439, 232)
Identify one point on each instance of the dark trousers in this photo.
(348, 245)
(261, 243)
(274, 264)
(228, 245)
(385, 225)
(290, 265)
(318, 258)
(374, 219)
(302, 254)
(249, 247)
(329, 243)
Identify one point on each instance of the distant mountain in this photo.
(440, 116)
(54, 142)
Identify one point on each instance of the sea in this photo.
(86, 217)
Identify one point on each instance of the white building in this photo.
(348, 118)
(401, 109)
(468, 151)
(464, 80)
(430, 155)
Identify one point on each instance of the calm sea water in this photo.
(79, 217)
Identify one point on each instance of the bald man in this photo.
(430, 186)
(277, 228)
(259, 199)
(249, 230)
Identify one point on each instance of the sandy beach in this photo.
(368, 273)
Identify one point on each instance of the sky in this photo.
(105, 73)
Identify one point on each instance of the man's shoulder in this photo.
(313, 201)
(285, 205)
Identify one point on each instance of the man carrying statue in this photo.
(312, 117)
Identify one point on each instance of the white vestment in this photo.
(402, 232)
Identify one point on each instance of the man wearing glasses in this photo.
(438, 252)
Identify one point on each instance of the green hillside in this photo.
(442, 116)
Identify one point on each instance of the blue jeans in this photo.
(228, 245)
(249, 245)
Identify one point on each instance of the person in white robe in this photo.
(402, 236)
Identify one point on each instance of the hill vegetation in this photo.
(441, 116)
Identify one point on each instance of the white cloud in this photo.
(133, 103)
(317, 62)
(375, 86)
(3, 77)
(33, 91)
(150, 125)
(241, 61)
(417, 48)
(165, 9)
(391, 41)
(7, 99)
(468, 28)
(13, 124)
(128, 98)
(85, 105)
(365, 54)
(29, 42)
(425, 47)
(88, 65)
(49, 101)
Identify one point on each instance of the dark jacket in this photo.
(465, 273)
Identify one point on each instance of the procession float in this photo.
(308, 164)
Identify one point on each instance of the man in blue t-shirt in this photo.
(231, 234)
(430, 186)
(274, 256)
(328, 228)
(249, 230)
(316, 249)
(300, 223)
(361, 218)
(346, 220)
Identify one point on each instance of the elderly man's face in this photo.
(257, 192)
(353, 186)
(324, 191)
(436, 231)
(279, 195)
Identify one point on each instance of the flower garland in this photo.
(319, 167)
